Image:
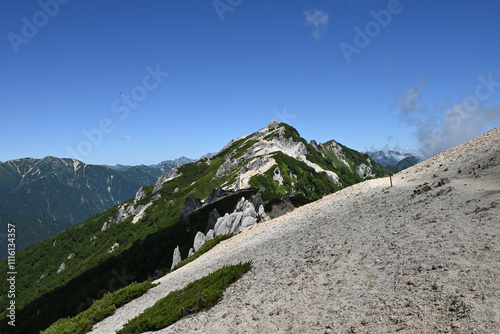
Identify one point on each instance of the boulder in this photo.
(237, 217)
(190, 205)
(249, 210)
(210, 235)
(191, 252)
(214, 195)
(246, 223)
(257, 200)
(240, 204)
(62, 266)
(221, 224)
(199, 240)
(176, 257)
(261, 215)
(212, 220)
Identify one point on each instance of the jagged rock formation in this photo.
(163, 179)
(190, 205)
(215, 194)
(212, 220)
(176, 257)
(364, 171)
(243, 217)
(199, 240)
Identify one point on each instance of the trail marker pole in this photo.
(390, 178)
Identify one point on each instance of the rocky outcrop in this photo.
(139, 195)
(226, 167)
(176, 257)
(199, 240)
(212, 220)
(277, 176)
(257, 200)
(62, 266)
(242, 218)
(125, 211)
(364, 171)
(215, 194)
(190, 205)
(169, 176)
(140, 211)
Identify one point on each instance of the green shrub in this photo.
(196, 296)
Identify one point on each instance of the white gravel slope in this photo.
(367, 259)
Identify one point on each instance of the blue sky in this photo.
(135, 82)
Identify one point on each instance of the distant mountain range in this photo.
(273, 167)
(395, 160)
(164, 166)
(45, 196)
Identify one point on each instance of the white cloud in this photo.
(126, 138)
(409, 101)
(318, 19)
(441, 130)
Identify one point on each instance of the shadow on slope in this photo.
(145, 259)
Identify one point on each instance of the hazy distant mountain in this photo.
(403, 164)
(167, 165)
(138, 236)
(119, 167)
(392, 158)
(208, 155)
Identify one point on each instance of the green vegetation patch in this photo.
(196, 296)
(203, 249)
(101, 309)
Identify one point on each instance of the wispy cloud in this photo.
(318, 19)
(408, 102)
(441, 130)
(126, 138)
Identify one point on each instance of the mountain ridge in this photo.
(44, 189)
(420, 256)
(135, 235)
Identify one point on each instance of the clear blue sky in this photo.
(420, 75)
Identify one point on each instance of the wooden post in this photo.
(390, 178)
